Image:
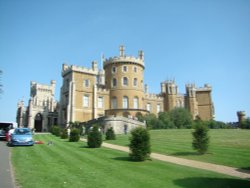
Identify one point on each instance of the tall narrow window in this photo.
(135, 82)
(85, 101)
(136, 105)
(148, 107)
(114, 69)
(125, 81)
(114, 82)
(158, 108)
(135, 69)
(125, 102)
(100, 102)
(86, 83)
(124, 68)
(114, 103)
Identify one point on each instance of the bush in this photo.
(55, 130)
(139, 144)
(110, 134)
(200, 138)
(74, 135)
(94, 138)
(64, 134)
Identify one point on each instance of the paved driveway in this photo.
(6, 180)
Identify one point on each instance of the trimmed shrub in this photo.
(139, 144)
(74, 135)
(94, 138)
(200, 138)
(64, 134)
(55, 130)
(110, 134)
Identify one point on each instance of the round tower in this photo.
(241, 116)
(124, 78)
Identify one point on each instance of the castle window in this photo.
(158, 108)
(85, 101)
(100, 102)
(124, 69)
(113, 69)
(136, 103)
(125, 81)
(86, 83)
(135, 82)
(114, 82)
(125, 102)
(135, 69)
(114, 103)
(148, 107)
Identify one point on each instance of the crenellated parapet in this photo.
(102, 90)
(153, 96)
(125, 59)
(74, 68)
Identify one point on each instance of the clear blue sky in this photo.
(193, 41)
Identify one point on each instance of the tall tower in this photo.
(124, 78)
(241, 116)
(169, 90)
(191, 101)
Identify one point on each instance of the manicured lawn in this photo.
(229, 147)
(66, 164)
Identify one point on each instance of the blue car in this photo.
(21, 137)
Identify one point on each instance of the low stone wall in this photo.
(121, 125)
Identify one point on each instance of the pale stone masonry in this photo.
(118, 89)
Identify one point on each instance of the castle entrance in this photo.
(38, 123)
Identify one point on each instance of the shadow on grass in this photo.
(185, 154)
(212, 182)
(123, 159)
(244, 170)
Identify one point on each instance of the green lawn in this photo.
(229, 147)
(66, 164)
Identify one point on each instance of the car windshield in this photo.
(22, 131)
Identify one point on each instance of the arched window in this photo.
(135, 82)
(125, 102)
(114, 82)
(114, 103)
(125, 81)
(136, 103)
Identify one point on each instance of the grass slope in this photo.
(66, 164)
(227, 147)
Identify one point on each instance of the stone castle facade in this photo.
(41, 112)
(119, 90)
(115, 91)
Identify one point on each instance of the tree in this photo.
(64, 134)
(245, 124)
(181, 118)
(110, 134)
(200, 137)
(151, 121)
(139, 144)
(74, 135)
(165, 121)
(94, 138)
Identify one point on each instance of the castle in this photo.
(118, 90)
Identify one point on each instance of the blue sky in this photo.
(191, 41)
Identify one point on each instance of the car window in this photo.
(22, 131)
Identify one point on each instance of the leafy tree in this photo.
(55, 130)
(94, 138)
(151, 121)
(74, 135)
(139, 144)
(181, 118)
(200, 137)
(110, 134)
(245, 124)
(64, 134)
(165, 121)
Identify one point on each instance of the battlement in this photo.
(153, 96)
(206, 87)
(124, 58)
(102, 90)
(66, 69)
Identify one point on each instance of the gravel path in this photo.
(190, 163)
